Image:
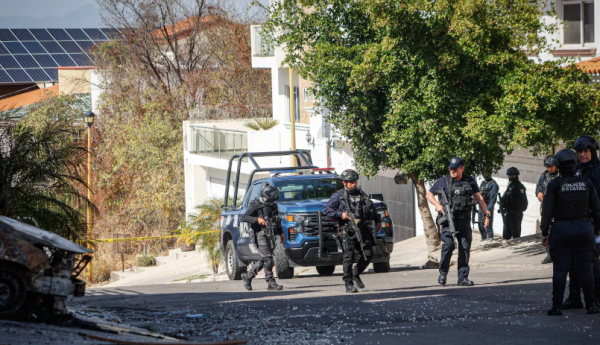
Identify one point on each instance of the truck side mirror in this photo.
(376, 197)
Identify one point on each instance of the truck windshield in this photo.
(314, 188)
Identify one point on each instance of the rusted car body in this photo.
(37, 264)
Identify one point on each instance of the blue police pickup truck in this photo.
(310, 237)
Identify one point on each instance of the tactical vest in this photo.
(461, 198)
(547, 178)
(571, 199)
(486, 190)
(588, 171)
(360, 204)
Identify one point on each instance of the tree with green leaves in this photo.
(42, 168)
(410, 84)
(207, 218)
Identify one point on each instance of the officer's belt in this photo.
(460, 215)
(572, 220)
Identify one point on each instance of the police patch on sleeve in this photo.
(573, 187)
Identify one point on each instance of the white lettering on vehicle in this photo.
(573, 187)
(244, 229)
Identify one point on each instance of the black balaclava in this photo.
(488, 178)
(514, 179)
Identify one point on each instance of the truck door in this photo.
(243, 243)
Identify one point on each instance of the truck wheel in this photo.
(325, 270)
(381, 267)
(234, 271)
(12, 292)
(282, 263)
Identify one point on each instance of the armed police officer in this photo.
(540, 188)
(345, 204)
(512, 205)
(262, 214)
(568, 202)
(461, 192)
(489, 192)
(588, 167)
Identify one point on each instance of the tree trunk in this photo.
(433, 239)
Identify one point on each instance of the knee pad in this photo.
(268, 262)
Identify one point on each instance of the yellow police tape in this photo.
(133, 239)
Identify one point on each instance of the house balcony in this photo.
(263, 53)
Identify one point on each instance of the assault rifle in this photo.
(353, 224)
(447, 216)
(502, 209)
(273, 223)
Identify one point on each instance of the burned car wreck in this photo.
(38, 269)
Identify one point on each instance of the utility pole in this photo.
(292, 115)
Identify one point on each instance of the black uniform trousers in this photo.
(489, 231)
(575, 282)
(572, 238)
(266, 259)
(464, 236)
(350, 245)
(512, 225)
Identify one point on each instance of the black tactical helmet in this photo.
(512, 171)
(269, 194)
(349, 175)
(587, 142)
(549, 161)
(566, 161)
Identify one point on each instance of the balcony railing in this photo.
(222, 143)
(261, 47)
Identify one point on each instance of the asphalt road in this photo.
(506, 306)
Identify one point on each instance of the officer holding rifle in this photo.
(265, 223)
(355, 212)
(457, 194)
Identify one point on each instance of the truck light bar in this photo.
(300, 170)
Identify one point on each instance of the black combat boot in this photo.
(555, 311)
(274, 287)
(573, 301)
(350, 288)
(358, 283)
(592, 309)
(247, 281)
(465, 282)
(442, 279)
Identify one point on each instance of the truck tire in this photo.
(13, 292)
(381, 267)
(234, 271)
(325, 270)
(282, 263)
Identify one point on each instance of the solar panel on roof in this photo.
(38, 74)
(4, 77)
(34, 47)
(23, 34)
(45, 60)
(70, 47)
(15, 47)
(52, 47)
(112, 34)
(85, 45)
(81, 59)
(41, 34)
(19, 75)
(6, 35)
(26, 61)
(77, 34)
(95, 34)
(63, 60)
(3, 50)
(60, 34)
(52, 72)
(8, 61)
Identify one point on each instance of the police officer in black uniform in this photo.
(462, 192)
(540, 188)
(513, 203)
(589, 167)
(489, 191)
(362, 208)
(258, 210)
(568, 202)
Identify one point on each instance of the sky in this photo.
(59, 13)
